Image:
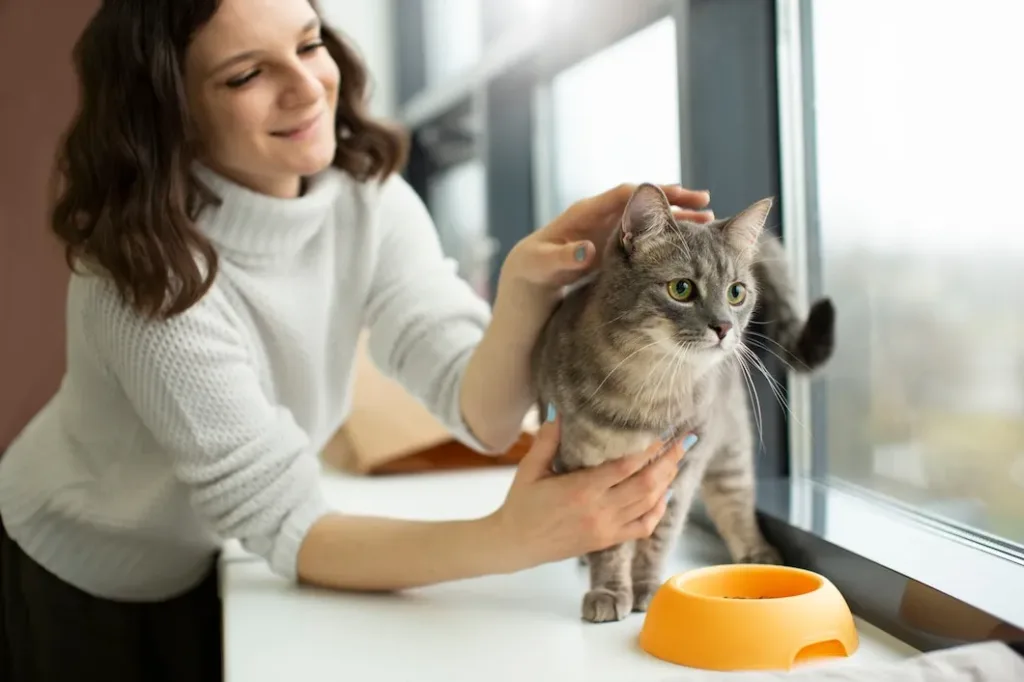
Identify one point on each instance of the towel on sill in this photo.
(985, 662)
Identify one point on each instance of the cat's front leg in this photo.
(729, 494)
(611, 588)
(649, 553)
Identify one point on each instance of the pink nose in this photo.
(721, 328)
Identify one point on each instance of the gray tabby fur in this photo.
(623, 363)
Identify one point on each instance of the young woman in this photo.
(234, 219)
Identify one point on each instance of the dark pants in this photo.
(53, 632)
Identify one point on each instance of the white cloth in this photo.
(985, 662)
(165, 438)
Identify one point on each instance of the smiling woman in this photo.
(255, 90)
(235, 223)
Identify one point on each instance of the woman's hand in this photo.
(548, 517)
(572, 244)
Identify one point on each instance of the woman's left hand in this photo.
(572, 244)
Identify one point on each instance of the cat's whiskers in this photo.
(766, 349)
(748, 381)
(772, 383)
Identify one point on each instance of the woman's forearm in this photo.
(497, 390)
(369, 553)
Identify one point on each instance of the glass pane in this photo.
(453, 37)
(458, 203)
(919, 146)
(614, 117)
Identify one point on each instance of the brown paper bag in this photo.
(389, 431)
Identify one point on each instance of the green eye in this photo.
(736, 293)
(682, 290)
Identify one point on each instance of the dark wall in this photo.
(38, 94)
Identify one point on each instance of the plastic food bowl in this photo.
(748, 617)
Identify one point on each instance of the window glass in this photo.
(453, 37)
(919, 138)
(457, 197)
(614, 117)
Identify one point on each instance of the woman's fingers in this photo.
(686, 198)
(642, 491)
(612, 473)
(644, 526)
(693, 216)
(536, 464)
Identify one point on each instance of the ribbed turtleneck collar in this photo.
(256, 229)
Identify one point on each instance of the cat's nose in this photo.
(721, 328)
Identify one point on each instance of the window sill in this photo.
(924, 585)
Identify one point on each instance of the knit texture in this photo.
(166, 438)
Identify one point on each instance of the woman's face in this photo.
(263, 92)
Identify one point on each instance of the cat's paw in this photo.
(643, 593)
(765, 554)
(605, 606)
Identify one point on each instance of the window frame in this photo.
(745, 110)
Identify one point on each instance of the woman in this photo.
(234, 219)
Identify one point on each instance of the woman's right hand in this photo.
(549, 517)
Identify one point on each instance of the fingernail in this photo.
(668, 495)
(581, 253)
(689, 442)
(551, 413)
(667, 434)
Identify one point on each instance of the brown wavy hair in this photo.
(126, 200)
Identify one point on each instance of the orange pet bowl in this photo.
(747, 617)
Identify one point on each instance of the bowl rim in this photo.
(677, 582)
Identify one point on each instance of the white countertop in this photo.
(521, 627)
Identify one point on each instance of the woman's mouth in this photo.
(300, 131)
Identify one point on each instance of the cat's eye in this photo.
(736, 293)
(682, 290)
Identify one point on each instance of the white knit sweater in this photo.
(164, 439)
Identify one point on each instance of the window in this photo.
(891, 134)
(458, 204)
(919, 145)
(612, 116)
(453, 37)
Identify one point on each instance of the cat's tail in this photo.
(802, 343)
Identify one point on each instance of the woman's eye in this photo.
(311, 46)
(682, 290)
(736, 293)
(243, 79)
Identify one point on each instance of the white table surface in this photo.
(524, 626)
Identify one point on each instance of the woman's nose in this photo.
(303, 88)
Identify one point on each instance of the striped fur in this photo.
(623, 362)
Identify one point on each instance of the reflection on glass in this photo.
(614, 118)
(920, 137)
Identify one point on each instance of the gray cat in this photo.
(654, 344)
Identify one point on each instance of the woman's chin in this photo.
(311, 162)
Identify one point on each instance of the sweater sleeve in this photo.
(424, 319)
(191, 381)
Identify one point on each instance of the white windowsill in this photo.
(524, 626)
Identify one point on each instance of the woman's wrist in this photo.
(521, 309)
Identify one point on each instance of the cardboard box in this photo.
(389, 431)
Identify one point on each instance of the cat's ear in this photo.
(647, 213)
(744, 229)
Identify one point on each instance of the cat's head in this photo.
(686, 286)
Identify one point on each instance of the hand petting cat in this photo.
(497, 390)
(567, 248)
